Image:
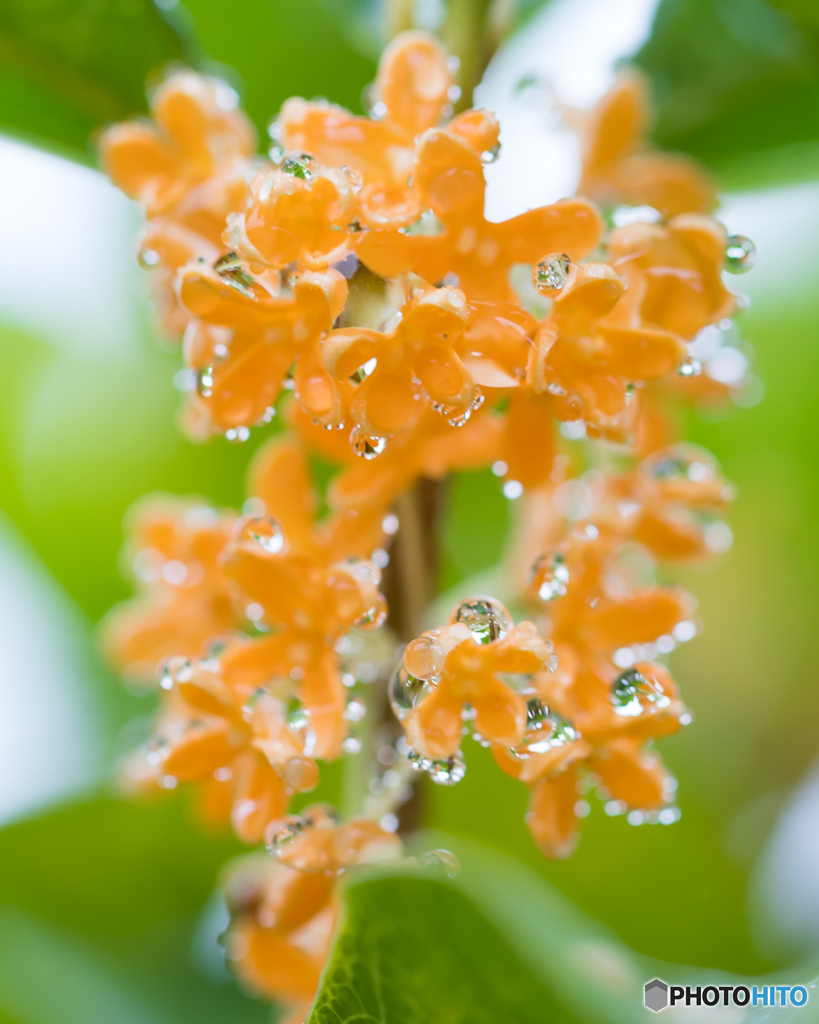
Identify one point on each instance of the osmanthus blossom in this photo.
(284, 909)
(189, 167)
(351, 280)
(246, 719)
(620, 168)
(184, 600)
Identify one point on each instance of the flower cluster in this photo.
(283, 910)
(349, 282)
(245, 713)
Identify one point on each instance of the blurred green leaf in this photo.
(734, 77)
(111, 894)
(68, 68)
(79, 989)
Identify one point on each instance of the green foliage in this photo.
(734, 77)
(101, 902)
(67, 69)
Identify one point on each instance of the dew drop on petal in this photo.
(489, 156)
(551, 273)
(301, 773)
(550, 575)
(485, 618)
(366, 446)
(299, 165)
(740, 254)
(265, 532)
(204, 381)
(279, 834)
(175, 670)
(448, 771)
(424, 657)
(406, 692)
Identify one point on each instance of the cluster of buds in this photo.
(350, 280)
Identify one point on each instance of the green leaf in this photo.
(76, 988)
(67, 69)
(497, 945)
(734, 77)
(418, 950)
(110, 894)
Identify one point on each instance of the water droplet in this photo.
(441, 860)
(229, 267)
(301, 773)
(512, 489)
(265, 532)
(280, 834)
(354, 177)
(300, 165)
(448, 771)
(424, 657)
(352, 745)
(550, 575)
(631, 691)
(690, 368)
(486, 619)
(406, 692)
(356, 710)
(489, 156)
(237, 435)
(389, 524)
(365, 446)
(175, 670)
(204, 381)
(148, 259)
(372, 103)
(740, 254)
(417, 761)
(683, 462)
(552, 273)
(374, 617)
(389, 823)
(545, 729)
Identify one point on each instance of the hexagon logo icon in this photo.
(655, 995)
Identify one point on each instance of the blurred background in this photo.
(112, 901)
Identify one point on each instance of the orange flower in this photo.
(184, 602)
(299, 211)
(190, 168)
(618, 166)
(284, 911)
(594, 347)
(410, 96)
(392, 370)
(246, 749)
(460, 672)
(197, 131)
(448, 174)
(674, 272)
(430, 448)
(247, 723)
(247, 337)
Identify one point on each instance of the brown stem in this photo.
(409, 585)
